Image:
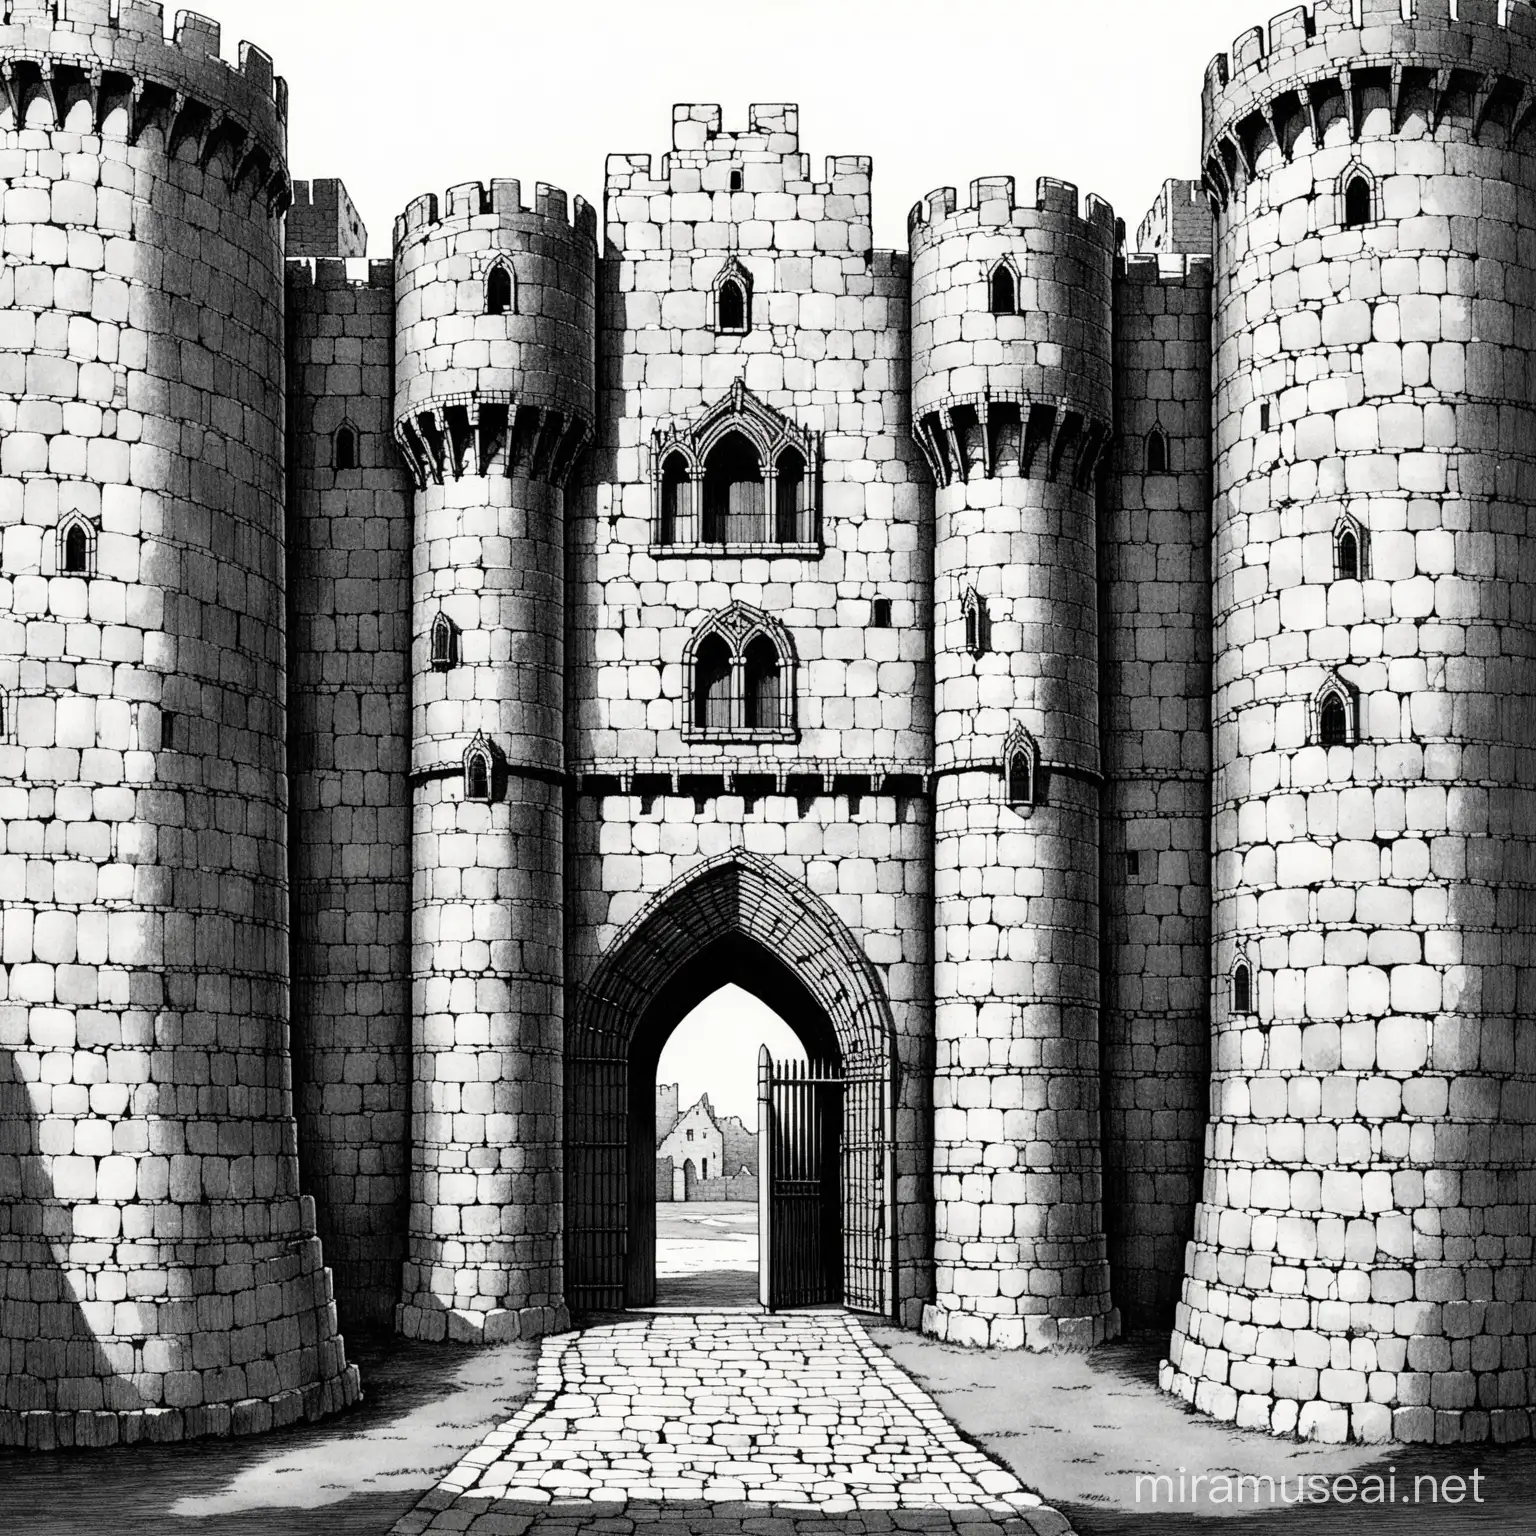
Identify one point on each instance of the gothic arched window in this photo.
(1348, 550)
(499, 291)
(742, 474)
(733, 306)
(1021, 769)
(445, 644)
(712, 703)
(733, 299)
(1004, 289)
(479, 776)
(975, 611)
(789, 497)
(345, 456)
(77, 547)
(1359, 200)
(1349, 557)
(733, 492)
(1021, 779)
(675, 498)
(1157, 452)
(1242, 987)
(763, 678)
(1335, 714)
(740, 670)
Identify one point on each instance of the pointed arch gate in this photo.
(737, 919)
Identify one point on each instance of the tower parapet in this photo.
(978, 362)
(1403, 59)
(488, 385)
(121, 76)
(1012, 404)
(494, 401)
(1362, 1265)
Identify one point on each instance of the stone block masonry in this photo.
(495, 325)
(1087, 694)
(1155, 597)
(350, 542)
(830, 790)
(1012, 400)
(160, 1273)
(1362, 1265)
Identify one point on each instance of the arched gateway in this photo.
(737, 919)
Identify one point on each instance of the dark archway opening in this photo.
(734, 960)
(733, 493)
(1357, 203)
(738, 919)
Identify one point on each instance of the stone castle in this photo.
(1089, 694)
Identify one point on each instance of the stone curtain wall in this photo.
(350, 636)
(1012, 401)
(1155, 617)
(839, 808)
(491, 410)
(1362, 1263)
(160, 1276)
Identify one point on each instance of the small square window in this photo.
(1133, 865)
(1264, 417)
(881, 617)
(167, 731)
(736, 181)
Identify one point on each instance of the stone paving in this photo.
(727, 1422)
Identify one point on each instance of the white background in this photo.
(399, 99)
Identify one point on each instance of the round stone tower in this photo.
(495, 363)
(1012, 403)
(1362, 1257)
(160, 1276)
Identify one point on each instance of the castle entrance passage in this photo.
(737, 921)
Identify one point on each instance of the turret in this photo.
(1011, 376)
(160, 1276)
(1362, 1264)
(495, 328)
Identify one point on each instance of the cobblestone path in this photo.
(700, 1425)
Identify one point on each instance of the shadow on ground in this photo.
(354, 1475)
(1081, 1430)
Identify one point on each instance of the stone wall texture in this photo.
(1362, 1258)
(1088, 695)
(833, 799)
(349, 552)
(1012, 396)
(493, 398)
(160, 1275)
(1155, 627)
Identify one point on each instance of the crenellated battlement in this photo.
(1155, 270)
(771, 127)
(1472, 69)
(329, 272)
(994, 201)
(119, 75)
(501, 199)
(765, 155)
